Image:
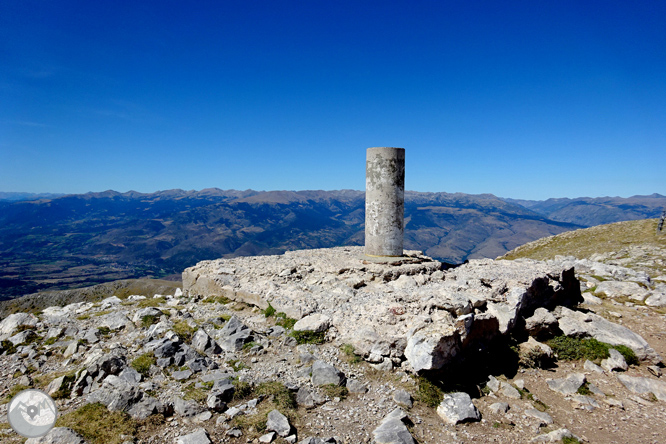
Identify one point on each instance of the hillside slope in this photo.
(632, 244)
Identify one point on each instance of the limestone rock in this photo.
(355, 386)
(614, 289)
(657, 299)
(592, 367)
(268, 437)
(568, 385)
(499, 407)
(200, 436)
(233, 335)
(309, 399)
(148, 406)
(323, 373)
(554, 436)
(278, 423)
(644, 385)
(432, 347)
(59, 435)
(457, 407)
(543, 417)
(392, 429)
(509, 391)
(9, 325)
(203, 343)
(403, 398)
(186, 408)
(614, 362)
(116, 321)
(542, 324)
(144, 312)
(116, 394)
(315, 322)
(534, 354)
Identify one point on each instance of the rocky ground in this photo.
(192, 368)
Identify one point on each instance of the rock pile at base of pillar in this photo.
(410, 309)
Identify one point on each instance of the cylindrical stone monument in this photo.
(384, 201)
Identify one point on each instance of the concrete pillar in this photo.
(384, 201)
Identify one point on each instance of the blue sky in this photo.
(520, 99)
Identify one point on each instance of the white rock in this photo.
(13, 321)
(457, 407)
(315, 322)
(614, 362)
(644, 385)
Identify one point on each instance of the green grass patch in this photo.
(23, 327)
(98, 425)
(142, 363)
(66, 388)
(350, 354)
(573, 349)
(183, 330)
(540, 405)
(191, 391)
(7, 346)
(427, 392)
(270, 311)
(335, 391)
(280, 395)
(308, 337)
(103, 312)
(599, 239)
(13, 391)
(104, 331)
(284, 321)
(570, 440)
(148, 320)
(249, 345)
(83, 317)
(242, 389)
(151, 302)
(216, 300)
(236, 364)
(50, 341)
(584, 389)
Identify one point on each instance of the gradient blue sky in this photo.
(520, 99)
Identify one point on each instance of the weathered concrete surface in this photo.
(407, 309)
(384, 201)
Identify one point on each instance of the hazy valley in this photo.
(78, 240)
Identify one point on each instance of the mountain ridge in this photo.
(83, 239)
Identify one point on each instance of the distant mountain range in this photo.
(77, 240)
(588, 211)
(15, 197)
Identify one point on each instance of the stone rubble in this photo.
(403, 320)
